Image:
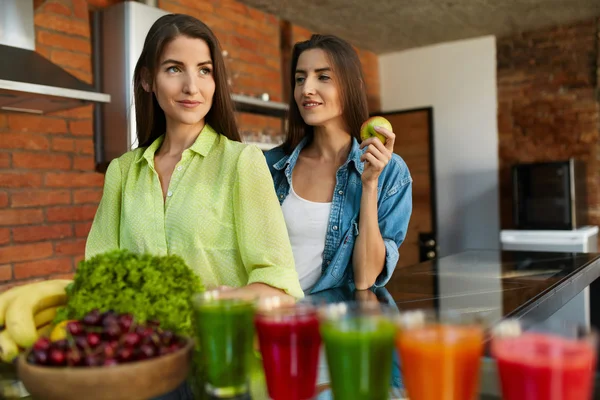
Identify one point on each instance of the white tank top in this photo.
(306, 223)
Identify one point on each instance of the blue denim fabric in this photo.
(394, 193)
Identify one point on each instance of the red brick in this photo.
(60, 144)
(84, 146)
(17, 283)
(72, 60)
(84, 76)
(71, 213)
(41, 161)
(44, 51)
(43, 268)
(5, 272)
(32, 198)
(80, 9)
(55, 7)
(85, 112)
(4, 236)
(4, 160)
(82, 229)
(20, 179)
(36, 124)
(23, 141)
(69, 275)
(82, 127)
(87, 196)
(42, 233)
(74, 179)
(62, 24)
(25, 252)
(84, 163)
(3, 121)
(3, 199)
(64, 42)
(71, 247)
(78, 259)
(10, 217)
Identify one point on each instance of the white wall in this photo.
(458, 80)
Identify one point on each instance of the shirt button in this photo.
(281, 196)
(179, 168)
(341, 192)
(334, 228)
(169, 193)
(328, 262)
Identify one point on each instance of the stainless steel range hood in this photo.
(28, 81)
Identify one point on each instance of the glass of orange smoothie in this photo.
(440, 357)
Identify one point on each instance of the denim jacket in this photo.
(394, 206)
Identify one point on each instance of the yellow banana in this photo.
(45, 316)
(44, 331)
(19, 318)
(9, 295)
(8, 348)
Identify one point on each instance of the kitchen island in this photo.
(543, 288)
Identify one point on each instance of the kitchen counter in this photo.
(540, 287)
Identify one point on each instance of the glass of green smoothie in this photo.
(225, 329)
(359, 346)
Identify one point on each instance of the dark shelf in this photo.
(254, 105)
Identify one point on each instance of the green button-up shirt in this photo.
(221, 213)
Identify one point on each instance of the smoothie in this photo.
(225, 331)
(534, 366)
(290, 351)
(359, 352)
(441, 362)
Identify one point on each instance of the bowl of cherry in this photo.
(106, 356)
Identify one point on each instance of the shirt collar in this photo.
(289, 161)
(202, 145)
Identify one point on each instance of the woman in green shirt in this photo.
(191, 188)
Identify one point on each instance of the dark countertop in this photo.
(502, 283)
(531, 285)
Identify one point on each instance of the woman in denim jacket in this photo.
(324, 175)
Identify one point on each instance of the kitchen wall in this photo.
(49, 191)
(548, 104)
(458, 80)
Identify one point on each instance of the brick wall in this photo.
(548, 108)
(48, 188)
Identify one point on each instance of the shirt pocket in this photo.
(343, 256)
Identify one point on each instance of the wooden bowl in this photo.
(140, 380)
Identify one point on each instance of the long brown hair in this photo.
(351, 86)
(149, 117)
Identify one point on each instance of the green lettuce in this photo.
(149, 287)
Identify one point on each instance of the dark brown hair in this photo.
(350, 84)
(149, 117)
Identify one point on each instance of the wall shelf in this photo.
(243, 103)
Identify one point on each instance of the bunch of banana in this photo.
(27, 312)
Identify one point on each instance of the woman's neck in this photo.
(331, 144)
(179, 138)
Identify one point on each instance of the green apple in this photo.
(367, 130)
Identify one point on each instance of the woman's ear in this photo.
(146, 81)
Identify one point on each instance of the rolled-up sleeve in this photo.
(260, 228)
(394, 215)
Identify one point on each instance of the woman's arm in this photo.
(370, 250)
(104, 234)
(262, 236)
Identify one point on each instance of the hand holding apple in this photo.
(378, 139)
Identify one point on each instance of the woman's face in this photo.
(184, 84)
(316, 89)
